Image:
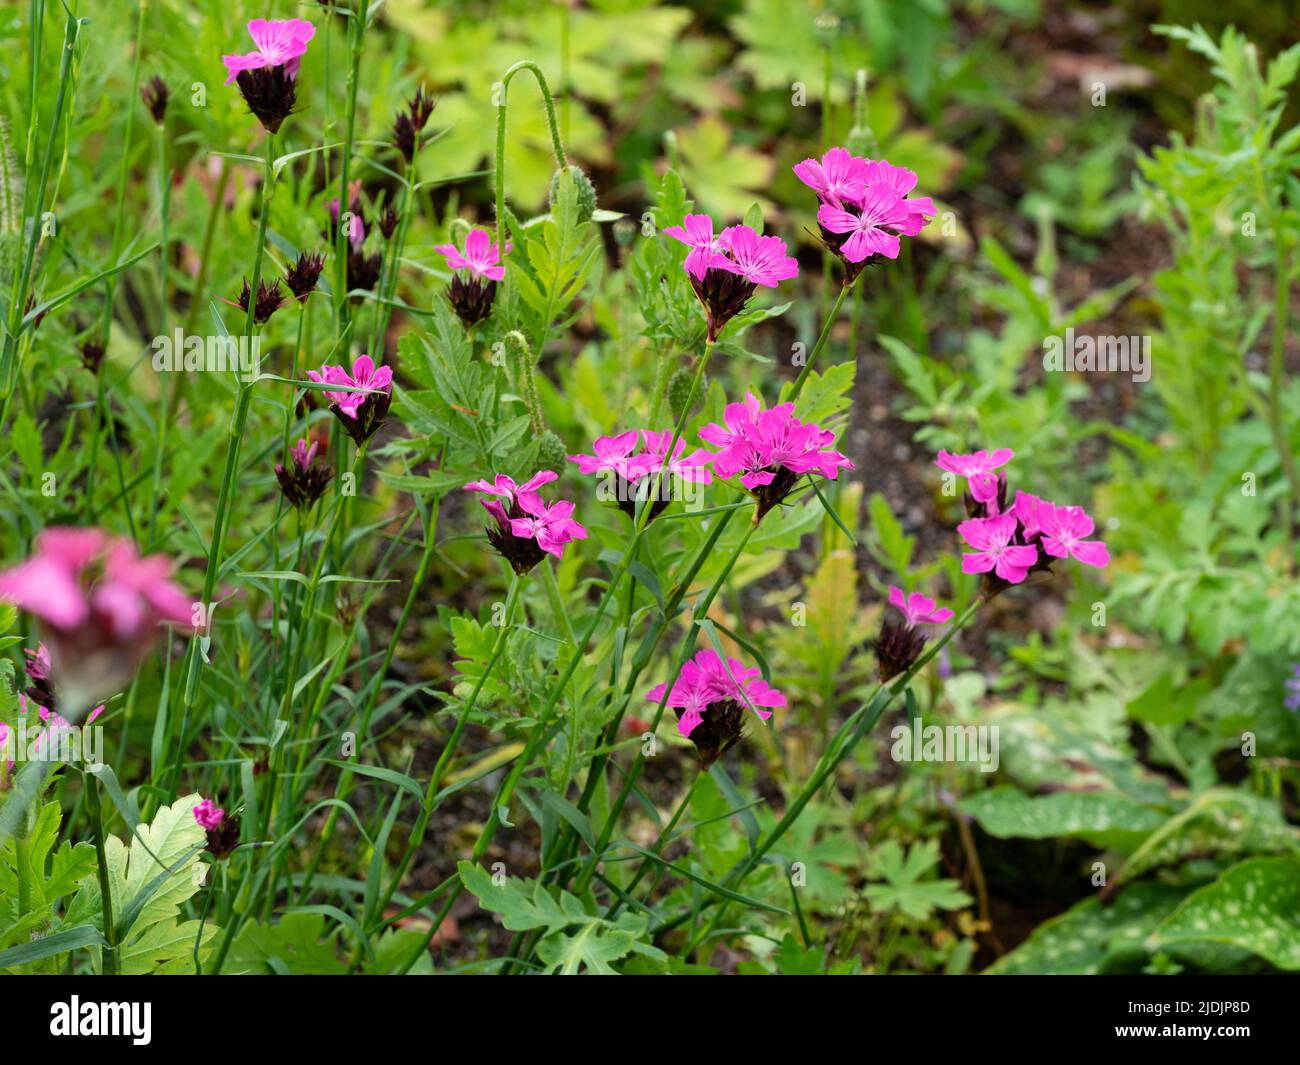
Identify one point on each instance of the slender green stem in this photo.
(160, 443)
(557, 145)
(96, 816)
(665, 835)
(22, 281)
(821, 340)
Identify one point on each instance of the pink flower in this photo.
(304, 453)
(1064, 529)
(209, 815)
(840, 175)
(551, 526)
(697, 234)
(705, 680)
(692, 467)
(759, 260)
(1026, 509)
(611, 453)
(360, 413)
(619, 454)
(873, 229)
(481, 257)
(991, 538)
(899, 181)
(918, 609)
(101, 604)
(978, 470)
(280, 42)
(771, 449)
(526, 528)
(523, 495)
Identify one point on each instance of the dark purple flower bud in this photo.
(155, 95)
(302, 276)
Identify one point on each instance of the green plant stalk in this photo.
(304, 616)
(660, 842)
(557, 145)
(855, 727)
(698, 614)
(160, 444)
(22, 281)
(594, 773)
(205, 254)
(1276, 370)
(393, 258)
(356, 37)
(642, 658)
(831, 318)
(95, 813)
(224, 497)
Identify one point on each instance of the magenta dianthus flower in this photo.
(726, 270)
(918, 609)
(771, 450)
(360, 413)
(994, 550)
(268, 77)
(478, 269)
(208, 815)
(710, 697)
(618, 458)
(481, 256)
(526, 529)
(864, 207)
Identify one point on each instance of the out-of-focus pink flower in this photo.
(697, 234)
(208, 815)
(994, 551)
(838, 176)
(481, 256)
(918, 609)
(101, 604)
(1063, 535)
(280, 43)
(706, 680)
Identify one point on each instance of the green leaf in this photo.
(1255, 906)
(1089, 938)
(906, 888)
(1105, 819)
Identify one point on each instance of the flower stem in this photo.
(96, 816)
(557, 145)
(821, 340)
